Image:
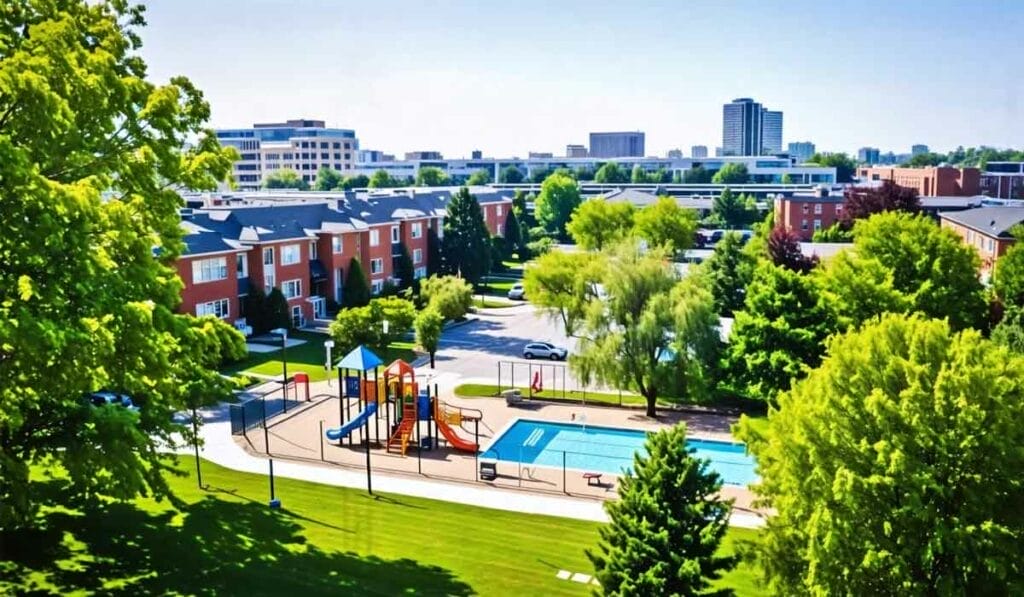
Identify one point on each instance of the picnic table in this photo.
(593, 478)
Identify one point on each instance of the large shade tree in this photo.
(466, 245)
(863, 202)
(597, 223)
(558, 199)
(665, 224)
(894, 467)
(91, 153)
(284, 179)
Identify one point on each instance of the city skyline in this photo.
(464, 77)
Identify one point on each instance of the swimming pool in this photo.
(605, 449)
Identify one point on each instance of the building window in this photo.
(817, 224)
(290, 255)
(291, 289)
(376, 286)
(806, 207)
(500, 211)
(337, 145)
(268, 256)
(394, 234)
(323, 145)
(803, 224)
(209, 270)
(417, 255)
(839, 208)
(817, 209)
(417, 230)
(501, 230)
(374, 238)
(241, 265)
(376, 266)
(218, 308)
(314, 251)
(268, 282)
(420, 272)
(336, 243)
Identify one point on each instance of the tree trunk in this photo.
(431, 359)
(652, 401)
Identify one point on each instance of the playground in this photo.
(389, 419)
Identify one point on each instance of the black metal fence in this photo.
(254, 409)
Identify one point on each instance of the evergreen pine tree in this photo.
(278, 315)
(513, 235)
(256, 310)
(666, 527)
(435, 262)
(404, 269)
(728, 272)
(467, 243)
(356, 291)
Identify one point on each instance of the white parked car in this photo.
(517, 293)
(544, 350)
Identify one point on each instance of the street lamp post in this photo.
(283, 332)
(328, 345)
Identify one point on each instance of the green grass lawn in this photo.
(325, 540)
(309, 357)
(499, 286)
(482, 302)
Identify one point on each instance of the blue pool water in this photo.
(606, 449)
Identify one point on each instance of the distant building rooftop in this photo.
(992, 221)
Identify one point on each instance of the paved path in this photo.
(219, 447)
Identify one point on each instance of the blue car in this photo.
(103, 398)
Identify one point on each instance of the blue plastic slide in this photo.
(340, 432)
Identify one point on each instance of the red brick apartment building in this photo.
(929, 182)
(304, 245)
(805, 214)
(987, 229)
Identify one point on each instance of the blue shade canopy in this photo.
(361, 359)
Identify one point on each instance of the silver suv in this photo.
(544, 350)
(517, 292)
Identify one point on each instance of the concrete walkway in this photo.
(220, 448)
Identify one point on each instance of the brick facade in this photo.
(929, 182)
(805, 215)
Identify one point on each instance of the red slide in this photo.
(457, 442)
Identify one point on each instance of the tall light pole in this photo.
(283, 332)
(328, 345)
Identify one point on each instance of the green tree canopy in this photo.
(278, 314)
(356, 291)
(931, 269)
(664, 531)
(559, 197)
(780, 331)
(91, 153)
(728, 272)
(405, 271)
(923, 160)
(479, 178)
(734, 211)
(665, 224)
(597, 223)
(731, 173)
(510, 175)
(357, 181)
(450, 296)
(382, 180)
(698, 175)
(284, 179)
(514, 235)
(638, 326)
(430, 176)
(638, 175)
(365, 324)
(611, 173)
(845, 165)
(327, 179)
(1010, 330)
(1008, 276)
(466, 243)
(889, 467)
(428, 326)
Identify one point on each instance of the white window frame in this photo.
(291, 254)
(817, 209)
(374, 238)
(817, 224)
(419, 273)
(212, 269)
(394, 235)
(212, 308)
(379, 263)
(416, 230)
(268, 256)
(500, 210)
(501, 229)
(241, 265)
(314, 251)
(417, 255)
(291, 289)
(337, 243)
(803, 224)
(269, 281)
(376, 286)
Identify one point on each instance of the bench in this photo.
(593, 479)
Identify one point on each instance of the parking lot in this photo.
(472, 350)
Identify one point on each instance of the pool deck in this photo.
(296, 445)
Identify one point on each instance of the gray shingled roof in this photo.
(993, 221)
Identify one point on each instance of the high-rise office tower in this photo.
(749, 129)
(868, 155)
(699, 151)
(771, 132)
(918, 149)
(801, 150)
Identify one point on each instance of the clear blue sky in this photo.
(510, 77)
